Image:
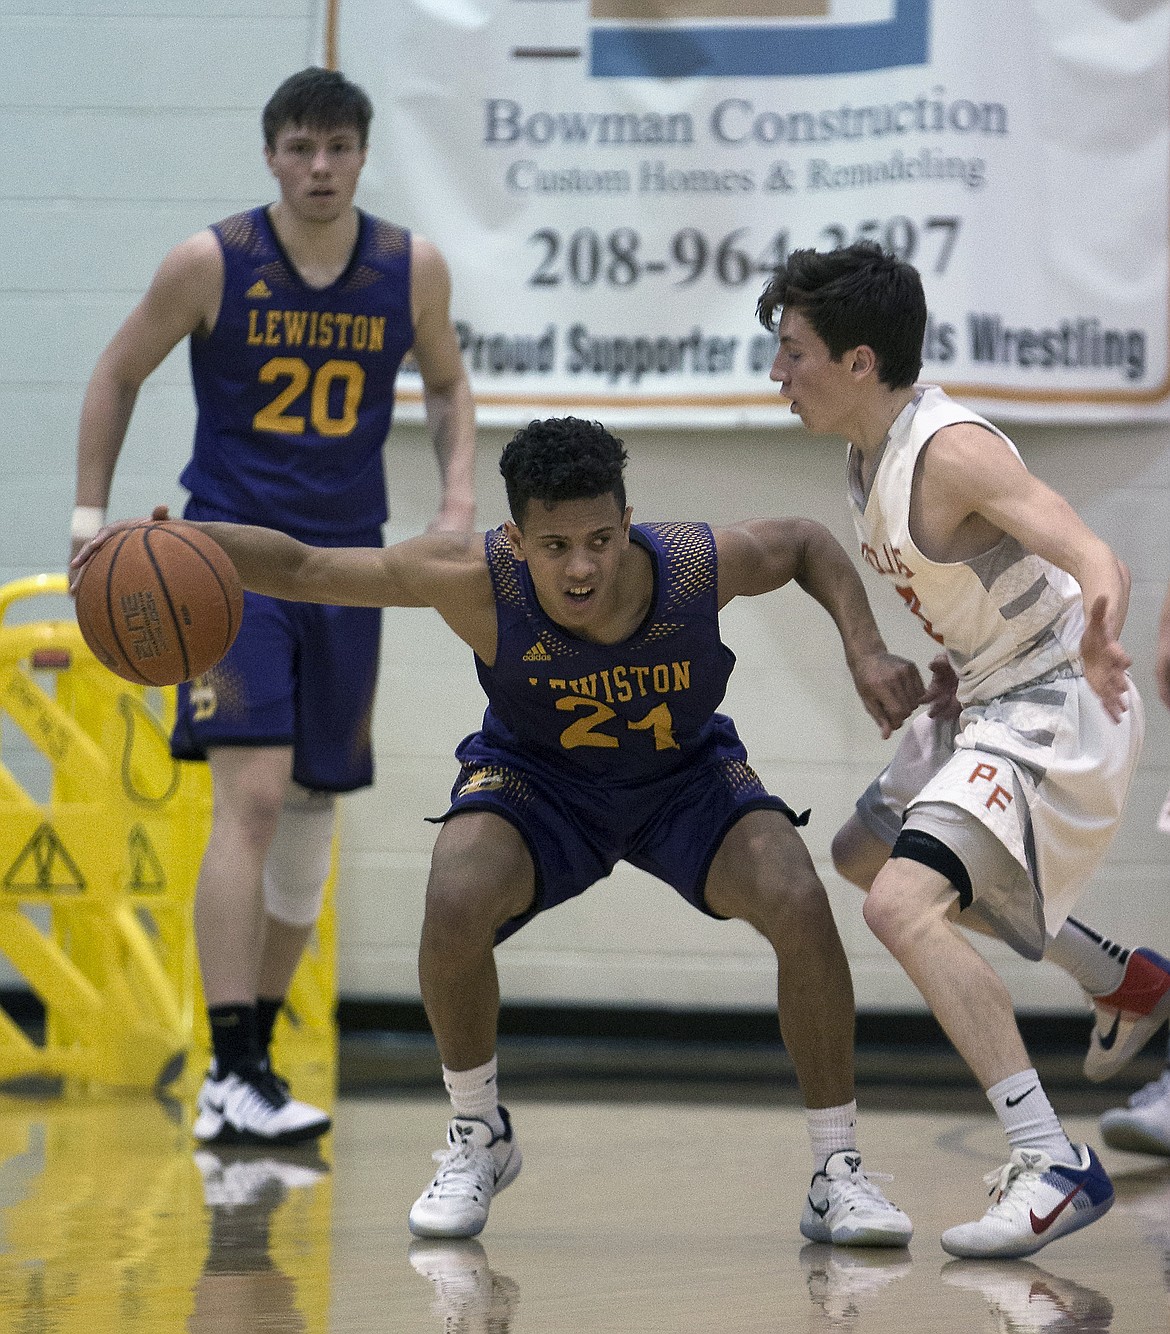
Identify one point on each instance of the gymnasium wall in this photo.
(132, 124)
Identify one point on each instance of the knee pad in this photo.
(297, 865)
(917, 845)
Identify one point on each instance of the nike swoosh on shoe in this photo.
(1108, 1039)
(1041, 1225)
(503, 1167)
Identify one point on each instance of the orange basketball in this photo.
(159, 603)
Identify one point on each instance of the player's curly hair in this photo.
(562, 458)
(318, 99)
(860, 294)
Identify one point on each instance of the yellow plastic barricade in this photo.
(98, 869)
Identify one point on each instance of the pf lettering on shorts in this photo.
(1000, 797)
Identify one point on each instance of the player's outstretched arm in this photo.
(760, 555)
(447, 400)
(281, 567)
(446, 571)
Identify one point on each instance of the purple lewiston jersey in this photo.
(599, 753)
(295, 384)
(626, 713)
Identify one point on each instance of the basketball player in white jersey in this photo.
(999, 806)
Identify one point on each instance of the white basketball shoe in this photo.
(254, 1108)
(475, 1166)
(1036, 1200)
(845, 1207)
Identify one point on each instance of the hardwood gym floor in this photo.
(667, 1206)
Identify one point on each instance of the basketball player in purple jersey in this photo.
(597, 643)
(299, 315)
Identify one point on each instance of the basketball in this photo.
(159, 603)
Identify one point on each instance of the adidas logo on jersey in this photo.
(259, 291)
(538, 653)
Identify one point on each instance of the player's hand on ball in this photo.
(88, 550)
(158, 601)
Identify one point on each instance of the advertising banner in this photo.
(613, 181)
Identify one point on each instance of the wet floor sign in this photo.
(101, 835)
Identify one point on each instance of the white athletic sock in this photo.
(1096, 962)
(474, 1093)
(831, 1129)
(1027, 1116)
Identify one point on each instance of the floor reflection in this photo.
(1024, 1297)
(102, 1215)
(469, 1294)
(841, 1282)
(242, 1287)
(112, 1219)
(109, 1222)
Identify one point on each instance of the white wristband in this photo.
(86, 522)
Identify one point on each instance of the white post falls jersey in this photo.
(1005, 617)
(1035, 757)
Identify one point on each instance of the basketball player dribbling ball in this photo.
(299, 315)
(994, 810)
(597, 644)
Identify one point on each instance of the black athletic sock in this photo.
(266, 1012)
(233, 1038)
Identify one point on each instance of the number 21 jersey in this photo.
(626, 714)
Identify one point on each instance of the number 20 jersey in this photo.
(625, 714)
(295, 384)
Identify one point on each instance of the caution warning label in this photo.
(44, 866)
(146, 870)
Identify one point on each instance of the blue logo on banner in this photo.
(766, 51)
